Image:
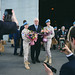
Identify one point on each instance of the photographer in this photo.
(69, 67)
(8, 27)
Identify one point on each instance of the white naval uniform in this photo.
(26, 46)
(47, 45)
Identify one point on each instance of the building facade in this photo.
(24, 9)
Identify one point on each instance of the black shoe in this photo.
(21, 55)
(12, 45)
(54, 48)
(0, 53)
(16, 53)
(37, 61)
(33, 62)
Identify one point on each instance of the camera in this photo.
(8, 15)
(52, 68)
(62, 43)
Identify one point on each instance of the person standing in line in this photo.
(69, 67)
(16, 41)
(21, 48)
(36, 48)
(26, 46)
(49, 41)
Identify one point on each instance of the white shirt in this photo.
(36, 27)
(69, 55)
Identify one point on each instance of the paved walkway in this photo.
(13, 65)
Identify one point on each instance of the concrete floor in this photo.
(13, 65)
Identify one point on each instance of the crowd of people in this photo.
(20, 35)
(45, 36)
(69, 67)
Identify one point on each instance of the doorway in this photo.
(61, 12)
(47, 10)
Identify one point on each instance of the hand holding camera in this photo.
(48, 70)
(67, 51)
(9, 16)
(50, 67)
(64, 48)
(14, 17)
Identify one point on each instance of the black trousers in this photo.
(35, 51)
(54, 47)
(15, 46)
(21, 48)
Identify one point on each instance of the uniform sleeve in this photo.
(51, 35)
(24, 35)
(8, 27)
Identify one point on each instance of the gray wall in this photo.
(0, 9)
(24, 9)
